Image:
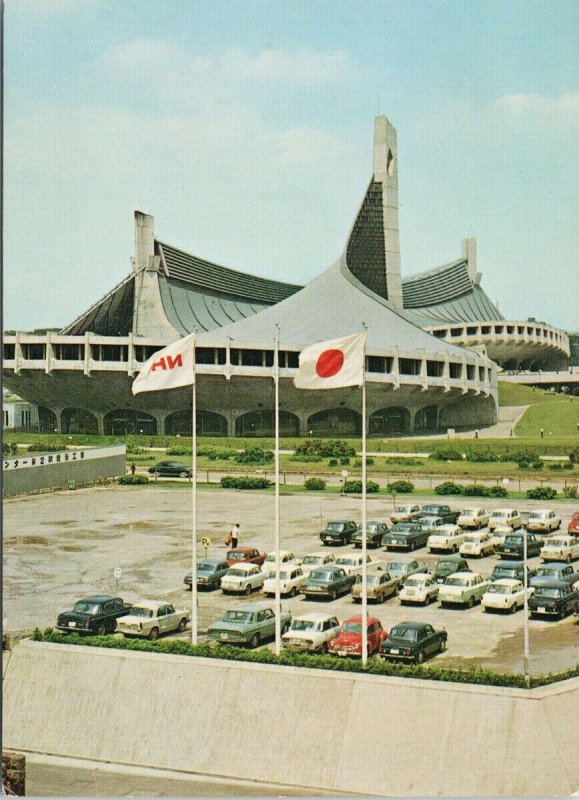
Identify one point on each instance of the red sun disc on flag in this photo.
(329, 363)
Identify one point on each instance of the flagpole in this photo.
(364, 526)
(276, 501)
(194, 624)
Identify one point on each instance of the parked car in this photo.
(506, 594)
(379, 585)
(419, 588)
(328, 582)
(429, 523)
(374, 533)
(291, 579)
(311, 633)
(413, 641)
(553, 571)
(93, 615)
(352, 563)
(404, 513)
(505, 516)
(513, 546)
(556, 599)
(573, 526)
(443, 510)
(448, 566)
(210, 571)
(338, 532)
(446, 538)
(285, 557)
(511, 569)
(477, 544)
(499, 534)
(462, 588)
(561, 548)
(171, 469)
(543, 519)
(473, 518)
(243, 578)
(348, 642)
(247, 554)
(150, 618)
(402, 568)
(248, 623)
(406, 536)
(315, 560)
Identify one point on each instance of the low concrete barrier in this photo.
(296, 727)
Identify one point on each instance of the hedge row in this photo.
(375, 666)
(470, 490)
(244, 482)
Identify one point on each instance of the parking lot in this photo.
(62, 546)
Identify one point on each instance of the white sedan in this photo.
(291, 579)
(311, 632)
(285, 557)
(506, 594)
(352, 564)
(477, 544)
(446, 538)
(404, 513)
(473, 518)
(242, 579)
(544, 519)
(313, 561)
(561, 548)
(419, 588)
(505, 516)
(150, 618)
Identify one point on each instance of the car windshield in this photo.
(444, 566)
(469, 512)
(402, 527)
(494, 589)
(86, 608)
(500, 514)
(312, 560)
(303, 625)
(369, 579)
(557, 543)
(546, 591)
(404, 633)
(140, 611)
(335, 526)
(319, 575)
(457, 580)
(402, 509)
(203, 566)
(346, 560)
(514, 540)
(372, 526)
(351, 627)
(504, 572)
(237, 616)
(547, 572)
(237, 573)
(414, 580)
(283, 575)
(472, 538)
(236, 555)
(397, 566)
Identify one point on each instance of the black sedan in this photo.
(413, 641)
(513, 545)
(171, 469)
(556, 599)
(374, 533)
(406, 536)
(209, 573)
(328, 583)
(93, 615)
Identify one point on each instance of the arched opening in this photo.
(261, 423)
(335, 422)
(208, 424)
(389, 421)
(126, 422)
(78, 420)
(426, 419)
(46, 420)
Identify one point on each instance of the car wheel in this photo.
(402, 602)
(568, 559)
(183, 474)
(293, 591)
(247, 590)
(442, 646)
(333, 595)
(323, 648)
(217, 584)
(154, 634)
(356, 599)
(182, 625)
(254, 641)
(420, 658)
(101, 630)
(470, 602)
(513, 608)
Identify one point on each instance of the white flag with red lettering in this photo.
(169, 368)
(333, 364)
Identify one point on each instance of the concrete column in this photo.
(386, 173)
(469, 253)
(17, 353)
(100, 417)
(412, 421)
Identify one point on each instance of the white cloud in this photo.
(304, 66)
(520, 107)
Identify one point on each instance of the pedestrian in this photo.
(235, 534)
(133, 468)
(542, 433)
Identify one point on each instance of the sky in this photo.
(245, 128)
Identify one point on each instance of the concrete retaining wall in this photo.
(303, 728)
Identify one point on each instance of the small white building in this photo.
(18, 414)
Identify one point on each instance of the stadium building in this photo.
(433, 340)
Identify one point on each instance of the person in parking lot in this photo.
(234, 534)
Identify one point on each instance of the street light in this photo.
(344, 474)
(525, 611)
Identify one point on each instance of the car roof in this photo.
(508, 564)
(212, 561)
(554, 584)
(507, 582)
(503, 510)
(541, 510)
(251, 607)
(451, 557)
(97, 598)
(243, 565)
(413, 625)
(153, 605)
(241, 549)
(466, 575)
(318, 553)
(557, 538)
(319, 617)
(281, 552)
(358, 618)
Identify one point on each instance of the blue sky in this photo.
(245, 128)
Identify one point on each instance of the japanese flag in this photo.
(169, 368)
(331, 365)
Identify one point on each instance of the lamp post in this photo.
(525, 611)
(345, 474)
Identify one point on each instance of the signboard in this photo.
(62, 457)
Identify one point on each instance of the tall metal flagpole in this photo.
(276, 501)
(525, 611)
(364, 526)
(194, 504)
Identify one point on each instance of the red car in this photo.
(349, 639)
(573, 527)
(244, 555)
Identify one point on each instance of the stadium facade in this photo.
(433, 345)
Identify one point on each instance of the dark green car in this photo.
(513, 546)
(406, 536)
(413, 641)
(328, 583)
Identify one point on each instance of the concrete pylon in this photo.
(386, 173)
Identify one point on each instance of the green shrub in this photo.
(561, 465)
(333, 462)
(132, 480)
(570, 491)
(244, 482)
(333, 448)
(446, 454)
(401, 487)
(43, 447)
(355, 487)
(404, 462)
(358, 462)
(345, 461)
(180, 450)
(498, 491)
(315, 484)
(541, 493)
(448, 487)
(474, 490)
(480, 457)
(306, 457)
(254, 455)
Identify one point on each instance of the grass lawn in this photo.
(558, 418)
